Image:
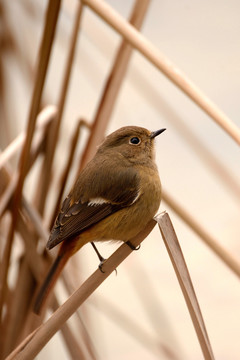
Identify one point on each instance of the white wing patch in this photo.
(136, 197)
(100, 201)
(97, 201)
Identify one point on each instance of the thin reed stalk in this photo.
(147, 49)
(113, 84)
(19, 325)
(208, 239)
(175, 253)
(45, 50)
(74, 141)
(44, 181)
(54, 323)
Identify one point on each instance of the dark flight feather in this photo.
(77, 214)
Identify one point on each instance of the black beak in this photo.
(156, 133)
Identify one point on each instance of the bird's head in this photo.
(132, 142)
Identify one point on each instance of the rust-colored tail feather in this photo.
(50, 281)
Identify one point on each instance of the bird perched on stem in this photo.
(114, 197)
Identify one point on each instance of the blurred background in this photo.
(141, 312)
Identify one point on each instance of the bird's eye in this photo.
(134, 140)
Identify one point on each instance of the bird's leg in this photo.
(132, 246)
(101, 258)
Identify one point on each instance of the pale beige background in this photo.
(202, 39)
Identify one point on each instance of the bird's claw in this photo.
(100, 266)
(132, 246)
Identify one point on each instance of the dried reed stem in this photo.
(113, 85)
(43, 119)
(36, 220)
(36, 263)
(46, 45)
(9, 191)
(147, 49)
(181, 270)
(147, 295)
(205, 154)
(19, 306)
(131, 326)
(73, 146)
(54, 323)
(225, 256)
(21, 297)
(83, 331)
(17, 309)
(54, 131)
(71, 339)
(4, 266)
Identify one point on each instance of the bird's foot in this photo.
(132, 246)
(100, 266)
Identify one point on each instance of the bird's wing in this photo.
(89, 203)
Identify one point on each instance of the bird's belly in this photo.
(128, 222)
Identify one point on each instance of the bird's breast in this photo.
(129, 221)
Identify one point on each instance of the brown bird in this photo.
(114, 197)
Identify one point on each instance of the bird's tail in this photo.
(50, 281)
